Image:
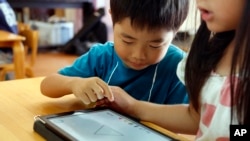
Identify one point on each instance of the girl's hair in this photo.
(153, 14)
(205, 53)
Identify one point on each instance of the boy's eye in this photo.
(155, 46)
(127, 42)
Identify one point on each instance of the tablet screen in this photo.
(105, 125)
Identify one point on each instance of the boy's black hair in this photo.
(151, 14)
(204, 56)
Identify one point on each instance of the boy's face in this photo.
(138, 48)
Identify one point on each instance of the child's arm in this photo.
(86, 89)
(180, 118)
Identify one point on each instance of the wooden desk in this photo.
(14, 41)
(21, 100)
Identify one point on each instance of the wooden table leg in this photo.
(19, 59)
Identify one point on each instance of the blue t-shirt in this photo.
(102, 61)
(7, 17)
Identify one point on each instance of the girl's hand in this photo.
(89, 90)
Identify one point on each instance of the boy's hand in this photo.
(89, 90)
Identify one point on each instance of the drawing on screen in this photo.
(104, 130)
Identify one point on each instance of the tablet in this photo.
(99, 125)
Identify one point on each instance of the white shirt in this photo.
(215, 114)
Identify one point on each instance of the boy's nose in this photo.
(139, 53)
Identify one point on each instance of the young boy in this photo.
(141, 60)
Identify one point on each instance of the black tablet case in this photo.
(46, 133)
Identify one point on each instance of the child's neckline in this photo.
(213, 73)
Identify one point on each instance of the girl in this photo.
(216, 74)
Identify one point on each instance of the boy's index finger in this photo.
(107, 91)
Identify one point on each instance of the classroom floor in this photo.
(49, 61)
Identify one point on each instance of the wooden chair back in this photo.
(31, 48)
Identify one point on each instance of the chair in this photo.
(14, 42)
(30, 46)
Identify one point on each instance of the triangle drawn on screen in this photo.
(104, 130)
